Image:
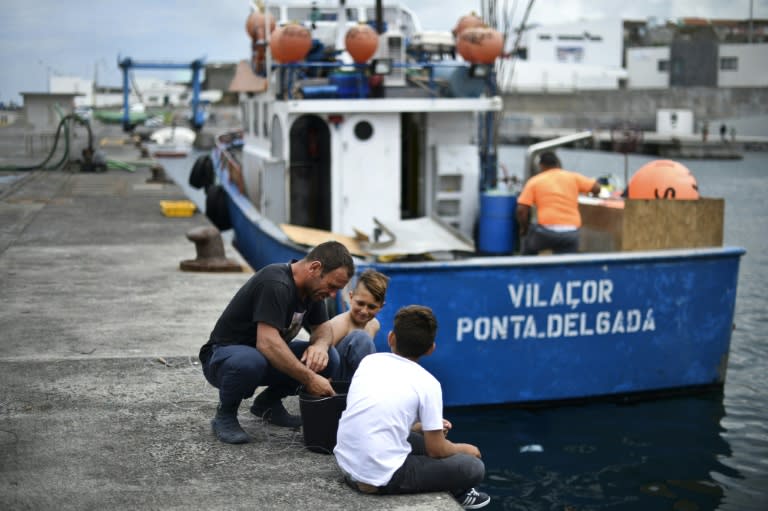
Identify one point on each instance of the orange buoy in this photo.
(470, 20)
(663, 179)
(255, 23)
(290, 43)
(480, 45)
(361, 42)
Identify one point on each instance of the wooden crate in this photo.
(652, 224)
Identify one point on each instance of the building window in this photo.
(729, 63)
(569, 54)
(663, 66)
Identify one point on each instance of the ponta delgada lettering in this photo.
(572, 293)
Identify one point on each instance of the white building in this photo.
(152, 92)
(742, 65)
(648, 68)
(582, 55)
(738, 65)
(72, 85)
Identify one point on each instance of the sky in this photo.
(86, 38)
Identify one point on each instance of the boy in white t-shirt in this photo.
(391, 437)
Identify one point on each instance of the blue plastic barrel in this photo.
(497, 229)
(350, 85)
(319, 91)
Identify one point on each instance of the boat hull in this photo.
(522, 330)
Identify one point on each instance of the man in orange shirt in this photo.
(555, 194)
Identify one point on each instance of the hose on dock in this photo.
(62, 126)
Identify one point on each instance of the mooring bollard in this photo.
(210, 252)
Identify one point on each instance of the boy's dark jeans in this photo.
(421, 474)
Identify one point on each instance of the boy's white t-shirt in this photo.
(387, 395)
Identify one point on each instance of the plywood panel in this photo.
(601, 228)
(659, 224)
(652, 224)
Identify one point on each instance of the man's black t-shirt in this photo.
(270, 297)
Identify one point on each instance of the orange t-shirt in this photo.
(555, 193)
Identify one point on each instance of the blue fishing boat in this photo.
(393, 154)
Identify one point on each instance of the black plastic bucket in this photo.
(320, 417)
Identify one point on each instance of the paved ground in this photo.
(102, 401)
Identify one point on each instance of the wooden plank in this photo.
(312, 237)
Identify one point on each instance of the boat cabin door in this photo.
(310, 173)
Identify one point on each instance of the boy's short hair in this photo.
(415, 329)
(375, 283)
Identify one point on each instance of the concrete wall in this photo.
(524, 75)
(601, 109)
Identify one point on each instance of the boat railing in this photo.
(323, 80)
(534, 149)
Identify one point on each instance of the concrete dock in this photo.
(103, 404)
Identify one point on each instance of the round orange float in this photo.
(255, 23)
(361, 42)
(480, 45)
(290, 43)
(663, 179)
(470, 20)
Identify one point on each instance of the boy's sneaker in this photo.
(474, 499)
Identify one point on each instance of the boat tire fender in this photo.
(216, 208)
(201, 175)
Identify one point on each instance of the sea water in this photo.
(702, 452)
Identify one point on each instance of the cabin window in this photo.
(662, 66)
(363, 130)
(545, 37)
(729, 64)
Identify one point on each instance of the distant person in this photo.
(253, 342)
(355, 329)
(704, 131)
(554, 193)
(733, 134)
(392, 435)
(723, 132)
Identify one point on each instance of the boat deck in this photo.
(103, 404)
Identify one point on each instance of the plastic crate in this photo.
(178, 208)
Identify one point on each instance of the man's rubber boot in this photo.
(226, 426)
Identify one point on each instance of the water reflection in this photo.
(654, 455)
